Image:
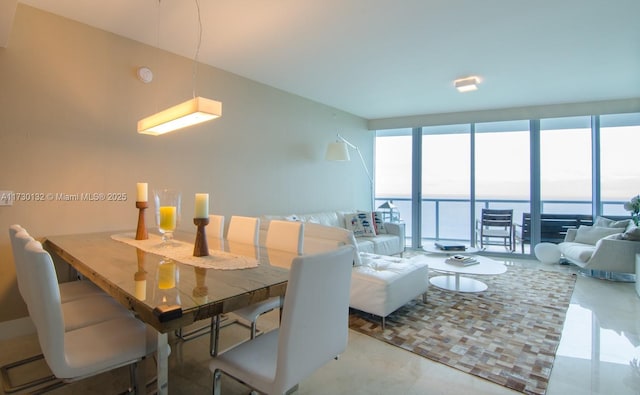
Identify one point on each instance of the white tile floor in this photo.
(599, 343)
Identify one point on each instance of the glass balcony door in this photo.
(446, 164)
(502, 172)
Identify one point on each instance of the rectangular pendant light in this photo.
(191, 112)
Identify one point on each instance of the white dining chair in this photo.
(243, 249)
(82, 304)
(282, 236)
(81, 307)
(320, 238)
(216, 226)
(68, 291)
(313, 331)
(285, 236)
(243, 229)
(83, 352)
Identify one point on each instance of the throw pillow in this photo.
(632, 234)
(360, 224)
(609, 223)
(591, 234)
(379, 223)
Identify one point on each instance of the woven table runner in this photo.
(182, 252)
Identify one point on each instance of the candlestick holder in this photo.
(200, 248)
(141, 231)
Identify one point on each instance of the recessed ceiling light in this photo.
(467, 84)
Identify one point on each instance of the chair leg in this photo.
(424, 297)
(217, 376)
(141, 378)
(137, 381)
(6, 380)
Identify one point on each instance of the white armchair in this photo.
(608, 254)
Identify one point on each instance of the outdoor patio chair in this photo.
(496, 228)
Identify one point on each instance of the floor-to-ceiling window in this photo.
(393, 161)
(445, 182)
(585, 167)
(619, 172)
(502, 168)
(565, 165)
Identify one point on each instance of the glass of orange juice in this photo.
(167, 209)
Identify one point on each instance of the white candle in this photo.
(142, 192)
(141, 289)
(202, 205)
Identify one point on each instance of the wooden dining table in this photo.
(138, 280)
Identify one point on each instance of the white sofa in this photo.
(380, 284)
(610, 249)
(388, 240)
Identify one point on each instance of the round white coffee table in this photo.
(453, 281)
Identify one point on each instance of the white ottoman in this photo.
(382, 284)
(547, 252)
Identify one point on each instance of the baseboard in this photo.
(16, 328)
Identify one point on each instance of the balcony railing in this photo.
(449, 218)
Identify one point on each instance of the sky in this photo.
(502, 165)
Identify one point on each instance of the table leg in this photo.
(163, 364)
(214, 336)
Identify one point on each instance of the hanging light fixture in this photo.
(191, 112)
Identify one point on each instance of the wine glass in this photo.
(167, 207)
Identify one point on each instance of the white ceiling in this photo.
(394, 58)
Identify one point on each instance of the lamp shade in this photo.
(387, 205)
(191, 112)
(337, 151)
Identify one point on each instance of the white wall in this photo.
(69, 103)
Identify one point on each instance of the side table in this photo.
(547, 253)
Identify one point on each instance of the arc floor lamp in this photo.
(339, 151)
